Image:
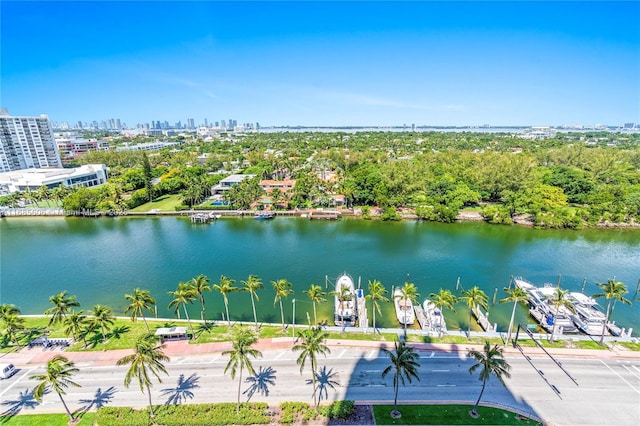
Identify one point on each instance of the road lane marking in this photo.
(632, 373)
(281, 353)
(342, 353)
(446, 386)
(17, 380)
(622, 378)
(373, 371)
(372, 353)
(440, 371)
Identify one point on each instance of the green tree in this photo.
(147, 359)
(312, 344)
(242, 341)
(225, 287)
(515, 295)
(102, 317)
(182, 296)
(443, 299)
(200, 284)
(491, 363)
(7, 309)
(613, 291)
(474, 297)
(315, 294)
(13, 324)
(141, 301)
(404, 365)
(75, 325)
(377, 293)
(148, 177)
(283, 289)
(62, 303)
(408, 291)
(58, 375)
(252, 285)
(559, 299)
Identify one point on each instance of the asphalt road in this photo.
(607, 391)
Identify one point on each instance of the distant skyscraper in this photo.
(27, 142)
(191, 123)
(206, 123)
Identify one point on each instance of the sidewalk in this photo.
(181, 348)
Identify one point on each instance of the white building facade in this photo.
(27, 143)
(89, 176)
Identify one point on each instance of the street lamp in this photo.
(293, 330)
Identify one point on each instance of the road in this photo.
(607, 391)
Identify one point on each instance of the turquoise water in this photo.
(100, 260)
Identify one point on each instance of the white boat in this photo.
(543, 310)
(404, 308)
(345, 311)
(587, 317)
(435, 319)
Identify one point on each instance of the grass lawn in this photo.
(45, 420)
(447, 415)
(166, 203)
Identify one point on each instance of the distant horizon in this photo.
(333, 64)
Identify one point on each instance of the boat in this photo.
(588, 318)
(543, 310)
(345, 310)
(404, 308)
(435, 319)
(265, 216)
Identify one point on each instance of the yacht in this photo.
(345, 310)
(404, 308)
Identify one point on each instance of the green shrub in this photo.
(337, 410)
(291, 410)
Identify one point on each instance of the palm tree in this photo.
(311, 345)
(443, 299)
(13, 324)
(343, 295)
(103, 318)
(58, 377)
(474, 297)
(75, 324)
(283, 289)
(377, 294)
(147, 358)
(315, 293)
(515, 295)
(491, 363)
(199, 285)
(225, 287)
(183, 295)
(62, 303)
(404, 364)
(141, 300)
(252, 285)
(7, 309)
(613, 291)
(559, 299)
(242, 341)
(408, 291)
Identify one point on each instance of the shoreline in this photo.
(462, 217)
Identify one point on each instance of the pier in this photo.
(363, 318)
(482, 319)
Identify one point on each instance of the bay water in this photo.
(100, 260)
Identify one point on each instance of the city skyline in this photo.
(323, 64)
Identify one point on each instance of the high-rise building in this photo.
(27, 142)
(191, 123)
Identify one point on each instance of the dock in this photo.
(482, 319)
(203, 217)
(422, 318)
(363, 318)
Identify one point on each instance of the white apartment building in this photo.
(26, 143)
(89, 175)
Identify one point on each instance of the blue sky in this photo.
(323, 63)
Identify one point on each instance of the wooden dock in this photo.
(422, 318)
(363, 317)
(482, 319)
